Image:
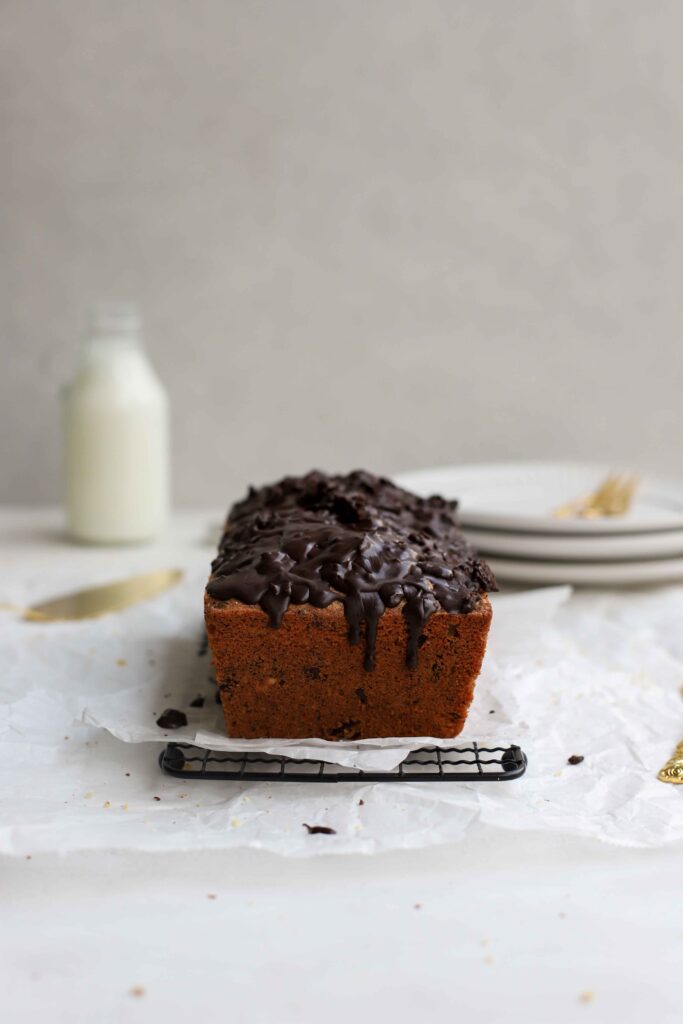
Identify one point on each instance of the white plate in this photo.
(598, 548)
(513, 570)
(522, 496)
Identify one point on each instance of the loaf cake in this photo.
(344, 607)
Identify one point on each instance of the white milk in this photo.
(117, 437)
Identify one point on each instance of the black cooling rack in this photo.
(428, 764)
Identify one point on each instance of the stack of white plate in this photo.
(506, 512)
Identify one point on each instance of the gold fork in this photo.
(673, 769)
(612, 497)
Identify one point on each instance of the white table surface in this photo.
(500, 927)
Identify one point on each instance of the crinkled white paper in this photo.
(131, 714)
(593, 674)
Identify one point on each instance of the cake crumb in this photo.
(575, 759)
(128, 774)
(587, 997)
(322, 830)
(156, 798)
(361, 803)
(417, 906)
(236, 823)
(172, 719)
(137, 991)
(106, 803)
(121, 662)
(211, 895)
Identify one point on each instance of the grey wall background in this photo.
(372, 232)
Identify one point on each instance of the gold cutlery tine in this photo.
(673, 769)
(612, 497)
(96, 601)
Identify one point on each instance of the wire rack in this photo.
(428, 764)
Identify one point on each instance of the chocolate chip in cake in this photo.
(362, 696)
(320, 830)
(346, 731)
(312, 672)
(172, 719)
(198, 702)
(575, 759)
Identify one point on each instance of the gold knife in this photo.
(112, 597)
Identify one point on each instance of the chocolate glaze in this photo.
(357, 539)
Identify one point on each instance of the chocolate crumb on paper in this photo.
(198, 702)
(575, 759)
(172, 719)
(320, 830)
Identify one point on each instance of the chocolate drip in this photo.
(357, 539)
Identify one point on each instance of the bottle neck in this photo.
(115, 335)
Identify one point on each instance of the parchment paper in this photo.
(594, 674)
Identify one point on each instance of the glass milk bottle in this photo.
(117, 436)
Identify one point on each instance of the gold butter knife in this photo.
(96, 601)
